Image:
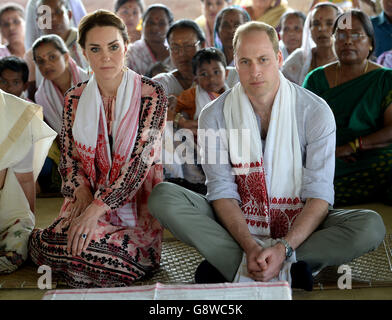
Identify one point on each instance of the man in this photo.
(277, 184)
(382, 25)
(60, 25)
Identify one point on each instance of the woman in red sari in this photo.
(104, 235)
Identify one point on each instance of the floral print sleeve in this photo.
(152, 120)
(70, 166)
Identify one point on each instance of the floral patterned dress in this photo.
(119, 253)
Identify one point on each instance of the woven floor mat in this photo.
(373, 269)
(178, 264)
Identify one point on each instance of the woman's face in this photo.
(105, 51)
(51, 62)
(231, 20)
(321, 26)
(131, 14)
(262, 4)
(183, 44)
(352, 45)
(291, 32)
(12, 27)
(210, 9)
(155, 26)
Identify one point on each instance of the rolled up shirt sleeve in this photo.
(215, 157)
(319, 133)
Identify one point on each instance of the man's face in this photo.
(257, 64)
(12, 82)
(60, 18)
(387, 7)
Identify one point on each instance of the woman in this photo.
(359, 93)
(25, 140)
(60, 73)
(268, 11)
(316, 49)
(131, 12)
(184, 38)
(144, 53)
(209, 10)
(227, 21)
(105, 235)
(12, 30)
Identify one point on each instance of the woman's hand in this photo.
(171, 110)
(346, 153)
(189, 124)
(82, 229)
(83, 198)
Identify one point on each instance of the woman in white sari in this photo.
(24, 142)
(316, 49)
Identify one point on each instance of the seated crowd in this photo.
(248, 128)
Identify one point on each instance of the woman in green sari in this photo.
(359, 93)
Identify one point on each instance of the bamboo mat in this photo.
(179, 262)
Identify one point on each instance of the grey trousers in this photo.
(343, 236)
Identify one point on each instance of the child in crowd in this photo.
(209, 68)
(292, 24)
(14, 74)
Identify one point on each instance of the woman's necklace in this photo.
(337, 71)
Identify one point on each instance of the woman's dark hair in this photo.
(15, 64)
(298, 14)
(100, 18)
(11, 6)
(326, 5)
(119, 3)
(207, 55)
(53, 39)
(363, 19)
(168, 12)
(187, 24)
(219, 17)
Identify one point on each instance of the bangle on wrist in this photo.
(176, 120)
(352, 145)
(360, 143)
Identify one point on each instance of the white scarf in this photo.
(51, 99)
(90, 109)
(281, 161)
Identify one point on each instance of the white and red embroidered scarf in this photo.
(269, 182)
(91, 137)
(51, 99)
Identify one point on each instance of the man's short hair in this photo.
(256, 26)
(15, 64)
(62, 3)
(207, 55)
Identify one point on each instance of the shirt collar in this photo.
(383, 19)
